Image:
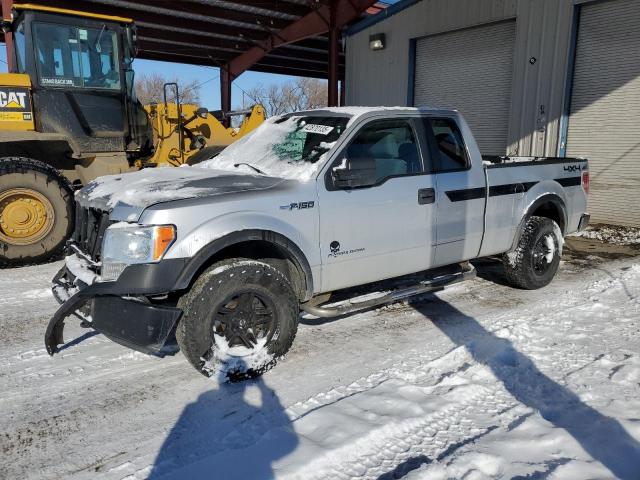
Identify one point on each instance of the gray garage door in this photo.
(604, 125)
(470, 70)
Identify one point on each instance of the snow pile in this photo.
(226, 361)
(612, 234)
(80, 268)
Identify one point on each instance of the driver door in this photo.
(384, 227)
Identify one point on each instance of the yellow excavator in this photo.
(69, 113)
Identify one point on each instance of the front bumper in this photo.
(130, 321)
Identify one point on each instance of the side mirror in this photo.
(353, 173)
(202, 112)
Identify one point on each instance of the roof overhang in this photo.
(275, 36)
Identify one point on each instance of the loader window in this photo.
(69, 56)
(19, 41)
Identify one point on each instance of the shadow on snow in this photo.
(221, 435)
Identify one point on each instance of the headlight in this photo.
(128, 244)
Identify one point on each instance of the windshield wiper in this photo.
(250, 166)
(97, 45)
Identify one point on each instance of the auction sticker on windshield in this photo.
(320, 129)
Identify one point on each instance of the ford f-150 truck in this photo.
(223, 256)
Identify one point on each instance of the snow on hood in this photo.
(150, 186)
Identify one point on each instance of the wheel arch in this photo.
(50, 149)
(549, 206)
(265, 245)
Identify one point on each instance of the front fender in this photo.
(199, 245)
(223, 225)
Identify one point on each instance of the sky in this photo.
(207, 76)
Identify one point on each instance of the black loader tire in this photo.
(206, 153)
(520, 264)
(32, 175)
(195, 331)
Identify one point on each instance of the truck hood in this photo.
(133, 192)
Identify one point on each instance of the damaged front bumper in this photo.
(132, 321)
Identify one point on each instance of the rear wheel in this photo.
(238, 319)
(535, 261)
(36, 211)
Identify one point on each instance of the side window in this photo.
(451, 151)
(384, 149)
(19, 41)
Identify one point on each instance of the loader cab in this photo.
(81, 76)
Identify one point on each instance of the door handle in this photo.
(426, 196)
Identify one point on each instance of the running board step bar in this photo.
(427, 286)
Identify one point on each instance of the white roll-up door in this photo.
(604, 124)
(470, 70)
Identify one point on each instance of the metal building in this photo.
(532, 77)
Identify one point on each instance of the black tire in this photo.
(206, 153)
(210, 299)
(534, 262)
(34, 176)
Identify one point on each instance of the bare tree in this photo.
(298, 94)
(150, 89)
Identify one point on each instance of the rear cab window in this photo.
(449, 148)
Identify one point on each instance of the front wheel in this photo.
(238, 319)
(535, 261)
(36, 211)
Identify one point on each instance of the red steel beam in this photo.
(225, 91)
(312, 24)
(7, 6)
(334, 56)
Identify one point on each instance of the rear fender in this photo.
(551, 198)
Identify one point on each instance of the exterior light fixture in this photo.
(377, 41)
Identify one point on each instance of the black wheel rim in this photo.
(540, 255)
(245, 319)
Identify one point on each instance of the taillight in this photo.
(585, 182)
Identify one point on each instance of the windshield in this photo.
(69, 56)
(287, 147)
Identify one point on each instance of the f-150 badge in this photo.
(297, 206)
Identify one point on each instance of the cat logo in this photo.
(13, 99)
(15, 105)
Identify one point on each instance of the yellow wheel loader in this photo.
(69, 113)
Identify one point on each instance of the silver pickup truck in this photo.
(223, 256)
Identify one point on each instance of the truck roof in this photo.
(358, 111)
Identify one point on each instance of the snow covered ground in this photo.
(479, 381)
(612, 234)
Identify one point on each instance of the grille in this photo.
(91, 224)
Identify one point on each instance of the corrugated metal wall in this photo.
(380, 78)
(604, 124)
(447, 63)
(543, 33)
